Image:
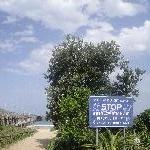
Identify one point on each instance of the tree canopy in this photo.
(79, 64)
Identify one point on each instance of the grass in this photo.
(12, 134)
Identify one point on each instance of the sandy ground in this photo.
(38, 141)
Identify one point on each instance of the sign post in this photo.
(110, 111)
(96, 137)
(124, 134)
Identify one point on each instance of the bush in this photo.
(137, 141)
(142, 121)
(11, 134)
(132, 141)
(73, 126)
(107, 141)
(75, 134)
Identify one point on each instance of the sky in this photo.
(30, 29)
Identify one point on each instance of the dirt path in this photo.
(38, 141)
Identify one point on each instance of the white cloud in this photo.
(130, 39)
(120, 8)
(111, 8)
(26, 35)
(14, 70)
(37, 62)
(104, 26)
(136, 38)
(101, 32)
(27, 32)
(7, 45)
(28, 39)
(15, 39)
(10, 19)
(65, 15)
(68, 15)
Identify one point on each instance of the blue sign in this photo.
(110, 111)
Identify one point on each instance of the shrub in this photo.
(11, 134)
(137, 141)
(73, 126)
(142, 121)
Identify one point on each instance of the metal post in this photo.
(96, 137)
(124, 134)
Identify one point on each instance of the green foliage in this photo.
(76, 63)
(137, 141)
(142, 121)
(73, 125)
(110, 141)
(127, 82)
(11, 134)
(51, 144)
(74, 107)
(107, 141)
(77, 70)
(138, 136)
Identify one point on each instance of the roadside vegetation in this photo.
(77, 70)
(12, 134)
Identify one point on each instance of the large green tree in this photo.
(75, 63)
